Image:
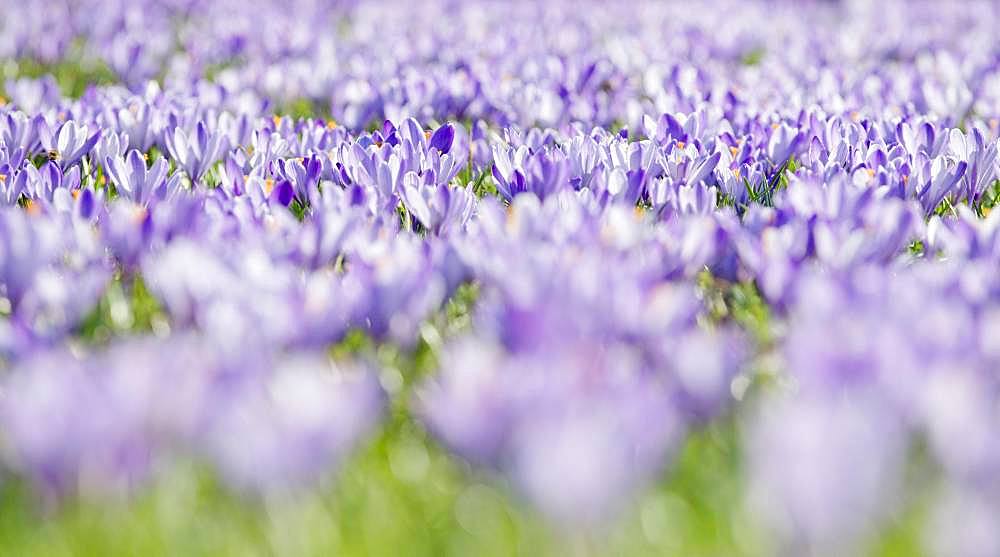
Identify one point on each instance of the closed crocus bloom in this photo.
(18, 130)
(295, 424)
(443, 138)
(404, 287)
(112, 144)
(982, 158)
(439, 208)
(143, 186)
(824, 473)
(127, 230)
(12, 185)
(546, 174)
(783, 143)
(938, 179)
(196, 152)
(25, 249)
(136, 122)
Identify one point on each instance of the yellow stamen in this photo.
(3, 178)
(640, 211)
(269, 186)
(378, 144)
(33, 209)
(681, 144)
(3, 101)
(276, 119)
(331, 124)
(734, 150)
(145, 157)
(75, 193)
(736, 172)
(101, 180)
(775, 126)
(855, 116)
(427, 135)
(511, 216)
(871, 172)
(987, 211)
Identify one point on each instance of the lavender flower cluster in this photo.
(589, 171)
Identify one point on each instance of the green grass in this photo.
(127, 307)
(74, 76)
(401, 494)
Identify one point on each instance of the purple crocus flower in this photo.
(21, 131)
(824, 473)
(783, 143)
(573, 439)
(70, 143)
(197, 152)
(443, 138)
(936, 180)
(12, 184)
(25, 248)
(982, 161)
(302, 175)
(439, 208)
(67, 431)
(127, 230)
(294, 425)
(49, 188)
(137, 183)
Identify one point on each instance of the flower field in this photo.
(331, 277)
